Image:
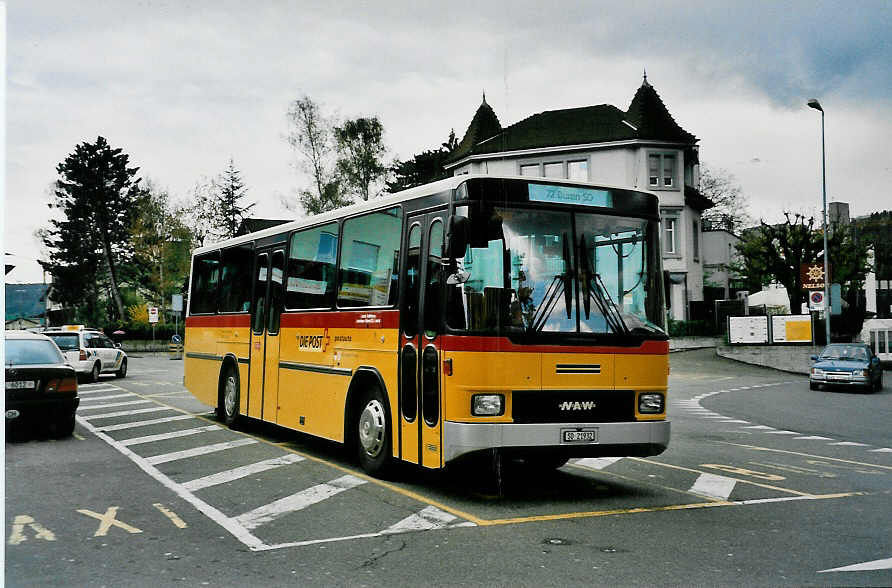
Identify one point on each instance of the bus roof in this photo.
(391, 199)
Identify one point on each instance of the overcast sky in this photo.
(184, 86)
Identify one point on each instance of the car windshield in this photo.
(31, 352)
(65, 341)
(531, 271)
(851, 352)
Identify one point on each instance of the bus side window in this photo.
(205, 282)
(369, 249)
(235, 282)
(310, 282)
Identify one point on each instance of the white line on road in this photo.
(301, 500)
(713, 486)
(597, 463)
(814, 438)
(241, 472)
(125, 413)
(196, 451)
(760, 427)
(850, 444)
(879, 564)
(783, 433)
(112, 404)
(428, 518)
(95, 398)
(81, 391)
(133, 425)
(880, 450)
(169, 435)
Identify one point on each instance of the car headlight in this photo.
(650, 403)
(863, 373)
(487, 405)
(817, 372)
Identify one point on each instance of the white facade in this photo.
(625, 163)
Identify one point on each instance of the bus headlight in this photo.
(487, 405)
(650, 403)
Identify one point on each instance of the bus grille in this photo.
(573, 406)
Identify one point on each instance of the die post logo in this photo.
(313, 343)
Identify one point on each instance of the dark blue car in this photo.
(846, 365)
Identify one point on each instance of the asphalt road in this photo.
(765, 483)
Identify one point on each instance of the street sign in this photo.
(816, 300)
(176, 303)
(153, 314)
(835, 299)
(812, 276)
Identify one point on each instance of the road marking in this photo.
(124, 413)
(737, 421)
(115, 404)
(814, 438)
(298, 501)
(174, 518)
(82, 392)
(850, 444)
(17, 536)
(713, 486)
(750, 482)
(758, 448)
(878, 564)
(760, 427)
(783, 433)
(95, 398)
(203, 507)
(107, 520)
(743, 472)
(597, 463)
(169, 435)
(196, 451)
(880, 450)
(135, 424)
(427, 519)
(241, 472)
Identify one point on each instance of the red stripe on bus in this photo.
(353, 319)
(471, 343)
(219, 320)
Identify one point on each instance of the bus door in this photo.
(269, 268)
(420, 410)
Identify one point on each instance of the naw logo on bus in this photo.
(584, 405)
(313, 343)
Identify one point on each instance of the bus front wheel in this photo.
(229, 398)
(373, 443)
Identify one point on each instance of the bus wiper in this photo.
(559, 284)
(597, 291)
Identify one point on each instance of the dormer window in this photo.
(661, 170)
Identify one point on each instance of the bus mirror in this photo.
(456, 237)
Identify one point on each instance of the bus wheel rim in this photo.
(229, 396)
(372, 428)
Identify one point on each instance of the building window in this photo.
(695, 234)
(554, 170)
(577, 170)
(531, 169)
(670, 236)
(661, 170)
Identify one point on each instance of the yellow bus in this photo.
(518, 316)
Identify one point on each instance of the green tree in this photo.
(776, 252)
(311, 135)
(230, 207)
(361, 149)
(89, 245)
(162, 240)
(423, 168)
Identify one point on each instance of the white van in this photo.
(89, 351)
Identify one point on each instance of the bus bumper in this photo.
(639, 439)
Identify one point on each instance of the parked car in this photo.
(41, 389)
(89, 351)
(846, 364)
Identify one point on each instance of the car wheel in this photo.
(94, 374)
(64, 427)
(372, 433)
(229, 398)
(122, 371)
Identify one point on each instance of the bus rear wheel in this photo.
(229, 398)
(372, 433)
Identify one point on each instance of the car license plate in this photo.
(12, 414)
(20, 385)
(840, 376)
(579, 436)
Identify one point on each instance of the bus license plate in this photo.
(579, 436)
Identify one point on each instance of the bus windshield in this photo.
(541, 271)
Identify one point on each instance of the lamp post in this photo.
(813, 103)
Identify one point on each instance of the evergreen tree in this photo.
(230, 209)
(89, 245)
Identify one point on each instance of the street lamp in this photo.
(813, 103)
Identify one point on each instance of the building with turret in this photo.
(640, 147)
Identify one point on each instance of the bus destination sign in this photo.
(570, 195)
